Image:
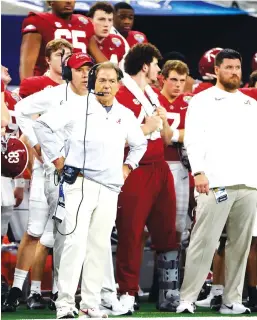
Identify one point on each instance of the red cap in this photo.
(78, 59)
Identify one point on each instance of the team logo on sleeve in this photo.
(139, 37)
(116, 42)
(187, 98)
(30, 27)
(83, 20)
(136, 101)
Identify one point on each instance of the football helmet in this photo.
(206, 64)
(254, 62)
(14, 156)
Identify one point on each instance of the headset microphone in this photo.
(99, 94)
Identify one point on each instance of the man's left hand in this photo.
(162, 113)
(18, 195)
(126, 171)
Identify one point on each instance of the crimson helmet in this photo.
(206, 64)
(14, 157)
(254, 62)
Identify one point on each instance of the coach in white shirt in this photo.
(220, 137)
(98, 135)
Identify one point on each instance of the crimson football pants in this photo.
(147, 198)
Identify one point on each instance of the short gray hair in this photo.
(109, 65)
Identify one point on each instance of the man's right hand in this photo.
(152, 123)
(37, 152)
(59, 164)
(202, 183)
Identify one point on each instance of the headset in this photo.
(66, 71)
(92, 78)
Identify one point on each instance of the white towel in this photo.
(148, 107)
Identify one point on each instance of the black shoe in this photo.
(216, 302)
(253, 308)
(136, 303)
(51, 303)
(36, 302)
(12, 301)
(4, 288)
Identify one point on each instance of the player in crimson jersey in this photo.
(112, 46)
(175, 73)
(40, 28)
(123, 22)
(148, 195)
(32, 253)
(54, 57)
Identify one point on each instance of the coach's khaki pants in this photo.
(239, 213)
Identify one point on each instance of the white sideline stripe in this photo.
(174, 316)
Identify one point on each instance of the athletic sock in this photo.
(19, 278)
(35, 287)
(217, 289)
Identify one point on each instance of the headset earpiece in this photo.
(92, 78)
(121, 75)
(66, 71)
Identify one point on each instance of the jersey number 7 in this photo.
(176, 119)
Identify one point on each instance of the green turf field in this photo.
(147, 310)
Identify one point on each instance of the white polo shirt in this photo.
(221, 137)
(105, 139)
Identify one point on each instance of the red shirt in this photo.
(2, 86)
(78, 31)
(176, 113)
(112, 45)
(135, 37)
(155, 148)
(251, 92)
(32, 85)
